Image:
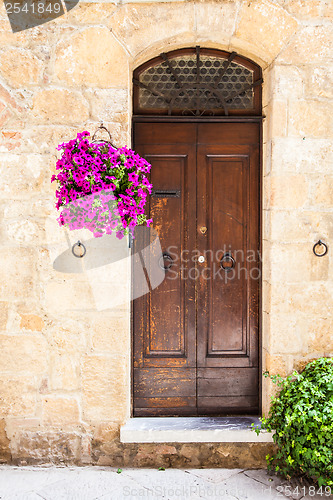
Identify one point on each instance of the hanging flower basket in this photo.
(100, 187)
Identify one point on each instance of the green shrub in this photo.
(301, 415)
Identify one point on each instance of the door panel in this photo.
(228, 405)
(227, 339)
(235, 381)
(229, 133)
(196, 339)
(221, 294)
(165, 340)
(166, 323)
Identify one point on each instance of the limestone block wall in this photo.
(65, 366)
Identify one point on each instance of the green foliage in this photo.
(301, 415)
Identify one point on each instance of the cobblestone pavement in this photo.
(94, 483)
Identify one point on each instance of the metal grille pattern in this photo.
(196, 84)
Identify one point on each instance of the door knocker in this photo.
(165, 256)
(227, 259)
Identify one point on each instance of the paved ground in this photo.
(94, 483)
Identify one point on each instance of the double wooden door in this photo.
(195, 336)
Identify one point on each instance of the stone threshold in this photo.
(193, 430)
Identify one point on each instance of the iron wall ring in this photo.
(79, 245)
(319, 244)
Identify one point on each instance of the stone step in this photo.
(193, 430)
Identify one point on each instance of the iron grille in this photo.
(196, 83)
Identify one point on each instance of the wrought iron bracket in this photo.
(97, 141)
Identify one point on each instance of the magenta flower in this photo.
(133, 177)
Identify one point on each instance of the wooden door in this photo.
(195, 336)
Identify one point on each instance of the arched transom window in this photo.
(198, 81)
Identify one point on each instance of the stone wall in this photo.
(65, 366)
